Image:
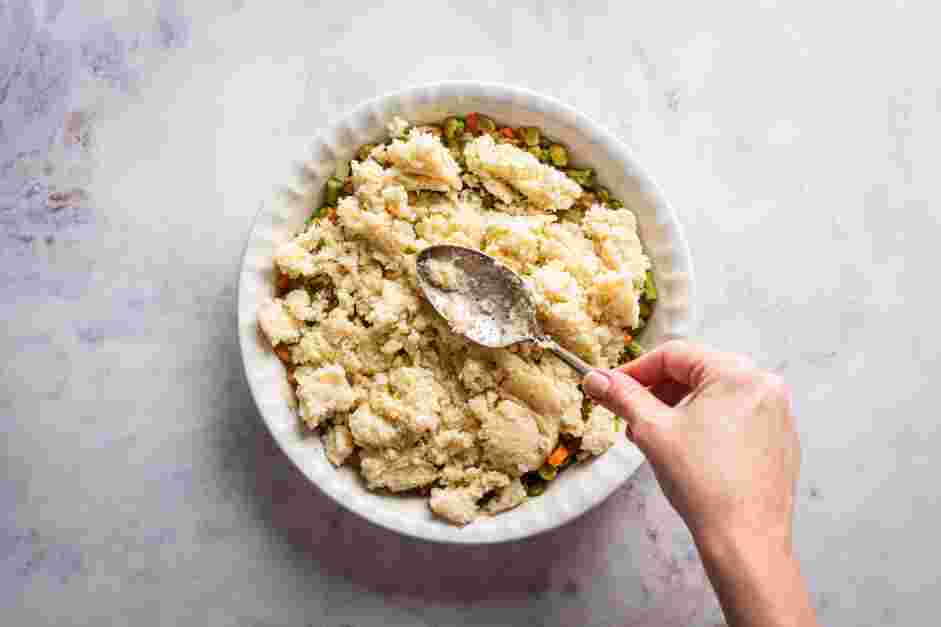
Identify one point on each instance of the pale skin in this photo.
(719, 434)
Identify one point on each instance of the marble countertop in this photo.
(798, 143)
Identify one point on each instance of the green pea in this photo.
(364, 150)
(650, 290)
(559, 155)
(537, 152)
(485, 124)
(332, 191)
(548, 472)
(453, 127)
(536, 488)
(530, 135)
(614, 203)
(582, 177)
(634, 349)
(314, 215)
(645, 310)
(602, 195)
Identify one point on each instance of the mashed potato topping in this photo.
(394, 391)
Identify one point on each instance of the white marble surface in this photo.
(798, 140)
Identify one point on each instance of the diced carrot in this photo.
(471, 121)
(558, 456)
(507, 132)
(283, 353)
(284, 281)
(628, 338)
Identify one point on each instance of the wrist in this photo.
(756, 576)
(743, 543)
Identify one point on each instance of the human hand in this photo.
(720, 436)
(718, 432)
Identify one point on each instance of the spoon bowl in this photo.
(484, 301)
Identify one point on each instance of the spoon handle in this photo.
(580, 365)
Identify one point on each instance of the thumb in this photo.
(624, 396)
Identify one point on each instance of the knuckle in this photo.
(642, 433)
(773, 381)
(775, 384)
(631, 391)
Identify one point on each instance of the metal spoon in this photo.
(484, 301)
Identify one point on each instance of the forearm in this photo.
(757, 580)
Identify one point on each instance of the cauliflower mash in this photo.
(380, 377)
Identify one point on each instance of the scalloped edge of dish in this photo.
(582, 487)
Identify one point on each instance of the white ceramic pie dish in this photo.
(581, 487)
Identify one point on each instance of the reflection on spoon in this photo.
(484, 301)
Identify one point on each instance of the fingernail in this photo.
(596, 384)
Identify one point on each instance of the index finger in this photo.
(676, 360)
